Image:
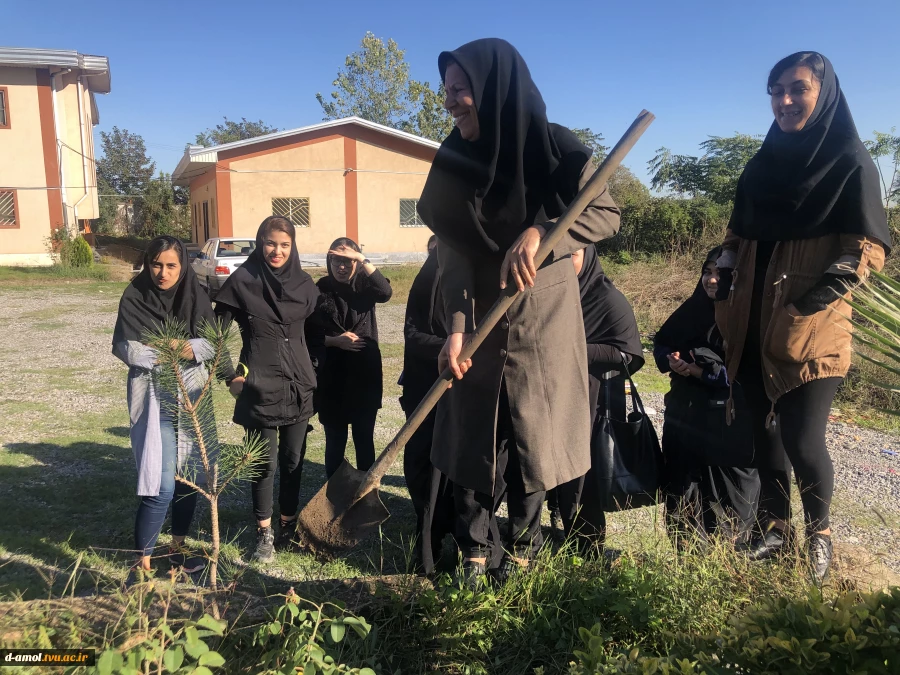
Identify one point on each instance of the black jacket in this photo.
(350, 383)
(279, 388)
(425, 330)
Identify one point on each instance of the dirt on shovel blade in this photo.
(329, 524)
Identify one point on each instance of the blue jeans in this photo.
(151, 513)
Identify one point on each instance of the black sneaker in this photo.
(771, 544)
(137, 575)
(820, 551)
(471, 576)
(265, 545)
(507, 569)
(181, 557)
(284, 541)
(557, 530)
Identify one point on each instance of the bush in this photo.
(79, 253)
(854, 633)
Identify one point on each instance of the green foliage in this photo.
(888, 145)
(374, 84)
(125, 168)
(169, 648)
(854, 633)
(595, 142)
(302, 635)
(159, 213)
(79, 253)
(713, 175)
(231, 131)
(189, 398)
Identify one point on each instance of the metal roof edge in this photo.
(63, 58)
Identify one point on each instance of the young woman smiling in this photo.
(166, 289)
(350, 382)
(270, 297)
(807, 221)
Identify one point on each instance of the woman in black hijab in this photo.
(166, 290)
(704, 456)
(807, 220)
(613, 344)
(350, 382)
(519, 420)
(270, 297)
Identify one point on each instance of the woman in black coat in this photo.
(613, 344)
(350, 385)
(270, 297)
(704, 456)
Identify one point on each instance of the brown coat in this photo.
(795, 350)
(538, 348)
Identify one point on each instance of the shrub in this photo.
(854, 633)
(80, 253)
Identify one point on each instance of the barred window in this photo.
(4, 108)
(295, 209)
(9, 216)
(409, 217)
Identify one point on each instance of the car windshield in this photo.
(230, 249)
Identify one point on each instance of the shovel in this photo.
(348, 508)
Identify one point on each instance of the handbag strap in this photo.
(636, 401)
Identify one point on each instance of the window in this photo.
(4, 108)
(9, 211)
(235, 247)
(409, 217)
(295, 209)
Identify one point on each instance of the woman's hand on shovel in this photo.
(450, 355)
(519, 260)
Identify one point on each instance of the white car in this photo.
(218, 259)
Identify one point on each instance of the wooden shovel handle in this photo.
(594, 187)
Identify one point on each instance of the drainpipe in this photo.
(84, 161)
(59, 159)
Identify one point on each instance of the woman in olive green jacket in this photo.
(807, 223)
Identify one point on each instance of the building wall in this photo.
(379, 196)
(21, 166)
(72, 152)
(252, 193)
(203, 189)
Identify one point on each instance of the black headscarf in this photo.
(689, 325)
(144, 307)
(480, 196)
(817, 181)
(608, 316)
(341, 306)
(283, 295)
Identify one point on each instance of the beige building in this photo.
(347, 177)
(47, 175)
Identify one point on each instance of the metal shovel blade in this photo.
(331, 523)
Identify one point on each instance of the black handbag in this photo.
(626, 460)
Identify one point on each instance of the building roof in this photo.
(94, 67)
(197, 158)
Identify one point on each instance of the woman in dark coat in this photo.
(689, 346)
(425, 331)
(613, 343)
(350, 385)
(520, 417)
(271, 297)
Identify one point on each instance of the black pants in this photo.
(798, 441)
(475, 510)
(693, 495)
(363, 441)
(287, 448)
(580, 510)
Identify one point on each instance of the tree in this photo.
(888, 145)
(595, 142)
(715, 174)
(159, 213)
(374, 84)
(124, 168)
(232, 131)
(431, 120)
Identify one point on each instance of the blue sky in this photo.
(701, 67)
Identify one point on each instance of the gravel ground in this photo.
(68, 329)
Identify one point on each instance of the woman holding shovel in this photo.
(270, 297)
(516, 420)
